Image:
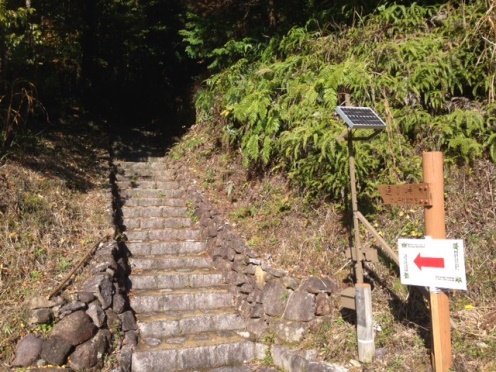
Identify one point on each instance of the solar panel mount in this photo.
(360, 117)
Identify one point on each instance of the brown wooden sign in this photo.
(407, 194)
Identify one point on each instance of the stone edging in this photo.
(91, 322)
(295, 361)
(270, 301)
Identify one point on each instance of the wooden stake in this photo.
(435, 228)
(365, 322)
(79, 264)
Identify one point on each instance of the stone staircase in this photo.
(185, 312)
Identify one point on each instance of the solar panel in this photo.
(360, 117)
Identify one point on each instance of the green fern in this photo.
(279, 109)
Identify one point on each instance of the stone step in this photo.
(151, 193)
(176, 279)
(163, 211)
(147, 174)
(149, 160)
(185, 311)
(154, 202)
(163, 234)
(165, 248)
(157, 223)
(148, 184)
(242, 368)
(157, 159)
(171, 262)
(129, 165)
(227, 350)
(145, 301)
(180, 323)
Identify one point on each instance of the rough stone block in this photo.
(246, 288)
(238, 246)
(104, 263)
(86, 297)
(118, 303)
(75, 328)
(289, 331)
(27, 351)
(275, 298)
(97, 315)
(256, 326)
(113, 321)
(101, 286)
(89, 354)
(322, 305)
(274, 272)
(290, 282)
(300, 307)
(55, 350)
(40, 316)
(245, 309)
(317, 285)
(72, 307)
(128, 321)
(257, 311)
(131, 338)
(241, 260)
(125, 358)
(255, 296)
(250, 269)
(41, 302)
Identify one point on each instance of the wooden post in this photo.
(435, 228)
(365, 322)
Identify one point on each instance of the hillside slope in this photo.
(265, 150)
(54, 206)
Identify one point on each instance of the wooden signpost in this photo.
(432, 166)
(408, 194)
(430, 194)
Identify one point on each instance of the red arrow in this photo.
(433, 262)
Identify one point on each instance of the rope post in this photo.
(436, 229)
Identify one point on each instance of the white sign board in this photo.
(429, 262)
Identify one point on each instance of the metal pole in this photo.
(356, 251)
(436, 229)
